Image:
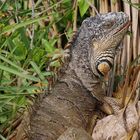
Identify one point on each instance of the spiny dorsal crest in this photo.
(71, 41)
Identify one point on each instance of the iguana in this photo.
(70, 105)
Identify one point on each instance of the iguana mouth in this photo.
(125, 26)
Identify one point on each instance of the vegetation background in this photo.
(33, 34)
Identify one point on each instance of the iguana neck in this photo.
(81, 52)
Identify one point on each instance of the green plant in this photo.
(26, 47)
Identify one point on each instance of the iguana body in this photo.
(70, 103)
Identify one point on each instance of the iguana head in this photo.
(106, 31)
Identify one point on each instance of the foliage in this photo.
(31, 38)
(22, 66)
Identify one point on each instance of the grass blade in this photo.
(36, 68)
(15, 26)
(15, 72)
(11, 63)
(2, 138)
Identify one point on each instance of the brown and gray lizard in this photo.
(71, 104)
(93, 51)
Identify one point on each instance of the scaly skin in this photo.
(71, 103)
(98, 37)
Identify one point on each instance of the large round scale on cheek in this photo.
(104, 68)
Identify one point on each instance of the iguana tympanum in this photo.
(68, 110)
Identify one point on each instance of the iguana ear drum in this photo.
(103, 67)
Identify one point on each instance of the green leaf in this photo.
(20, 74)
(48, 73)
(37, 54)
(83, 6)
(55, 63)
(49, 46)
(20, 50)
(3, 118)
(36, 68)
(15, 26)
(11, 63)
(2, 138)
(21, 102)
(23, 36)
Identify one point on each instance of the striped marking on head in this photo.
(104, 62)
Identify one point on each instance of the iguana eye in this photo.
(108, 25)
